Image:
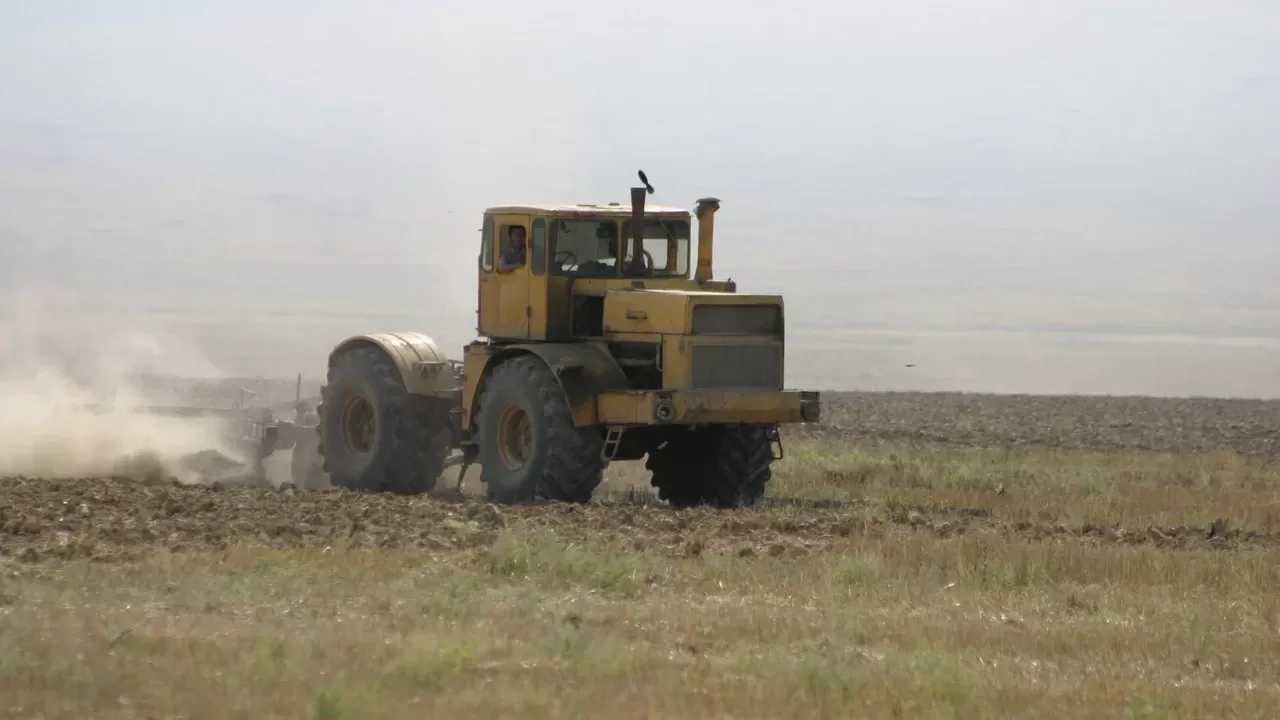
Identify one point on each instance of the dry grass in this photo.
(904, 623)
(547, 612)
(1131, 489)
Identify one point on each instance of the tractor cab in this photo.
(545, 269)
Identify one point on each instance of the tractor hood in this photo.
(691, 312)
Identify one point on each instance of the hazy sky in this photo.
(1018, 196)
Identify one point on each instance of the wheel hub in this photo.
(359, 425)
(515, 437)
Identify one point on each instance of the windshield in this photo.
(663, 250)
(589, 248)
(584, 248)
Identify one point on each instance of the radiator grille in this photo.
(737, 320)
(756, 367)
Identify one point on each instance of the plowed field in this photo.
(1098, 424)
(919, 555)
(114, 519)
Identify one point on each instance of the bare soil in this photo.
(109, 519)
(1102, 424)
(123, 517)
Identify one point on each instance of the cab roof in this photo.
(608, 210)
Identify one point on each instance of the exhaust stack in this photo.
(706, 214)
(637, 216)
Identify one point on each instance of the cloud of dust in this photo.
(73, 402)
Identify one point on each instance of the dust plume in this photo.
(72, 405)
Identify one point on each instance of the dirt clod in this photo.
(48, 520)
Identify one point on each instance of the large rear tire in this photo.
(720, 465)
(530, 450)
(373, 435)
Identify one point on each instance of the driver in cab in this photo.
(606, 264)
(513, 255)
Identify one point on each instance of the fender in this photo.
(423, 368)
(584, 371)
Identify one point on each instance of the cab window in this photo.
(538, 248)
(486, 245)
(584, 248)
(663, 250)
(514, 248)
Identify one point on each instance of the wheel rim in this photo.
(515, 437)
(359, 425)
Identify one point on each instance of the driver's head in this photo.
(516, 234)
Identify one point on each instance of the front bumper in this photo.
(695, 407)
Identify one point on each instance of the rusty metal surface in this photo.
(423, 367)
(645, 407)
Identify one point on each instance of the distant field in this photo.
(923, 555)
(1102, 423)
(1106, 424)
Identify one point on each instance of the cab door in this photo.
(487, 308)
(538, 280)
(512, 286)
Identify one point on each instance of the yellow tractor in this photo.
(596, 344)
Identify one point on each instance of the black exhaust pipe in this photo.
(637, 214)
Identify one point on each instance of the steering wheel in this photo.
(646, 264)
(568, 262)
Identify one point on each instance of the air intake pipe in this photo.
(706, 214)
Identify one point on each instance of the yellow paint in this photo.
(599, 286)
(642, 311)
(706, 212)
(474, 358)
(584, 411)
(667, 312)
(677, 362)
(507, 290)
(635, 407)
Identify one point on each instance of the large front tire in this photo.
(722, 466)
(373, 435)
(530, 450)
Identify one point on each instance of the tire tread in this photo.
(574, 463)
(415, 460)
(722, 466)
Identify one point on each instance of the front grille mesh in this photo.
(737, 320)
(756, 367)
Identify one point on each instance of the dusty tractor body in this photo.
(597, 343)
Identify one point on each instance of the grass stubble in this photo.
(545, 619)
